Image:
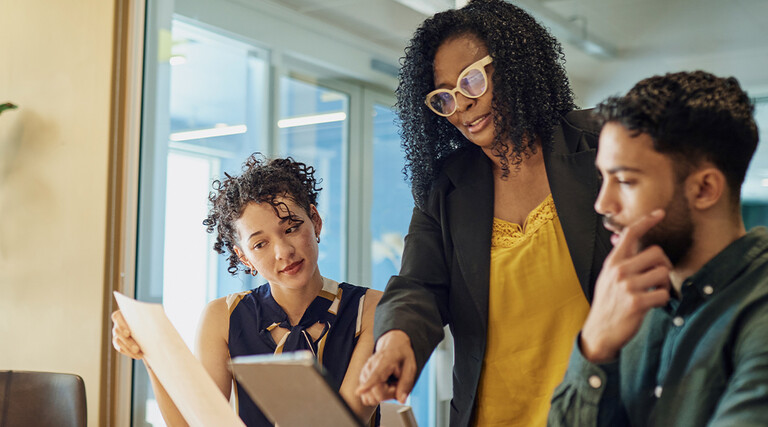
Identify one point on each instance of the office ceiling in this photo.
(726, 37)
(636, 28)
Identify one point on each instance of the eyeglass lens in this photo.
(471, 85)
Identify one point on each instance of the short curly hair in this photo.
(693, 117)
(530, 88)
(262, 180)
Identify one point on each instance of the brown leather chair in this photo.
(41, 399)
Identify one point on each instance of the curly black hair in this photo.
(530, 88)
(262, 180)
(693, 117)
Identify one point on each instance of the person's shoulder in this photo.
(214, 321)
(583, 120)
(367, 293)
(235, 300)
(363, 289)
(217, 307)
(372, 297)
(580, 125)
(460, 167)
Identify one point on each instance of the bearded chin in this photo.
(675, 244)
(674, 234)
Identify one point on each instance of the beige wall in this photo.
(55, 63)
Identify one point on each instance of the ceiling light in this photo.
(311, 120)
(429, 7)
(178, 60)
(219, 130)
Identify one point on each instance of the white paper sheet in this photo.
(193, 391)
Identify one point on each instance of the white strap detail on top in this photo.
(332, 287)
(279, 348)
(234, 299)
(359, 326)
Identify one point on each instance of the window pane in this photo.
(313, 128)
(392, 201)
(204, 114)
(390, 216)
(754, 192)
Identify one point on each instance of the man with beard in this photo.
(677, 334)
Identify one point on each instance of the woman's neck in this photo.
(530, 159)
(532, 162)
(295, 301)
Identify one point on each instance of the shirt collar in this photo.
(721, 270)
(323, 309)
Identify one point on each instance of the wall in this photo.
(616, 77)
(56, 64)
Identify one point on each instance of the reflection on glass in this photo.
(313, 128)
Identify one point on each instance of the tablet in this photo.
(397, 415)
(292, 390)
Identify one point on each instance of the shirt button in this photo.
(657, 391)
(678, 321)
(595, 381)
(708, 290)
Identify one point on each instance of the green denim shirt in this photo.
(701, 360)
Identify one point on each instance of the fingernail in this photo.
(657, 213)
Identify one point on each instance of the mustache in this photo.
(609, 223)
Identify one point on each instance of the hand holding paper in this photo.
(188, 384)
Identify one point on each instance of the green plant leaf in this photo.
(7, 106)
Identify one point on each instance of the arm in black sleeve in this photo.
(416, 300)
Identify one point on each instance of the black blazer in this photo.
(445, 272)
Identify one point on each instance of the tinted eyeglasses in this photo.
(472, 83)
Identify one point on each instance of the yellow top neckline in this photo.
(509, 234)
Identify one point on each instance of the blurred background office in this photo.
(129, 108)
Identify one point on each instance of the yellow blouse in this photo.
(535, 309)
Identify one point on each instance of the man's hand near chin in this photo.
(631, 283)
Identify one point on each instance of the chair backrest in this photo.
(41, 399)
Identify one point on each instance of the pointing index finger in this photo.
(630, 235)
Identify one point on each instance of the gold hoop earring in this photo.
(254, 273)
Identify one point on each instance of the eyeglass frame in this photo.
(477, 65)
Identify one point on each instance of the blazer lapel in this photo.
(574, 183)
(470, 209)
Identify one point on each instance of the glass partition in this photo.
(392, 203)
(313, 128)
(201, 118)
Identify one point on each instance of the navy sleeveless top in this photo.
(254, 313)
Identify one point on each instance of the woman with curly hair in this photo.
(504, 245)
(266, 219)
